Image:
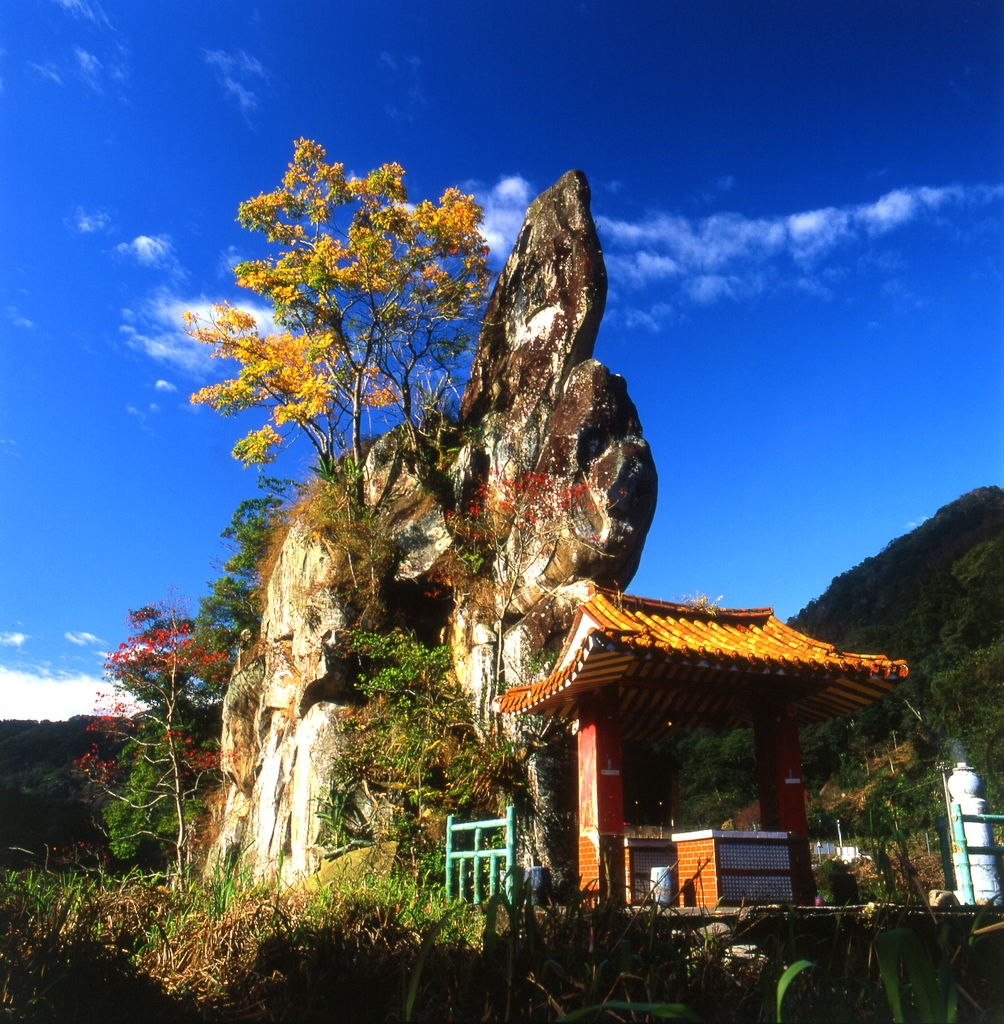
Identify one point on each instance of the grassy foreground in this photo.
(74, 948)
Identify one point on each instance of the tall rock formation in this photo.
(538, 403)
(543, 420)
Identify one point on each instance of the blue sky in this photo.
(800, 206)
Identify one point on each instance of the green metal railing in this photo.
(465, 867)
(945, 846)
(963, 874)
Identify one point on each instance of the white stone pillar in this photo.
(967, 790)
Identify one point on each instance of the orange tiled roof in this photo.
(679, 664)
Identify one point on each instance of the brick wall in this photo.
(736, 870)
(589, 864)
(698, 873)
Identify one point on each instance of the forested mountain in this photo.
(931, 596)
(44, 803)
(934, 596)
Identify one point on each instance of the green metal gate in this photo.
(465, 867)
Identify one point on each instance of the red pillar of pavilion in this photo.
(779, 771)
(601, 794)
(781, 792)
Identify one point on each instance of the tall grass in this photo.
(74, 948)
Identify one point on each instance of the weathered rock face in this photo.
(541, 321)
(543, 407)
(539, 408)
(281, 718)
(540, 405)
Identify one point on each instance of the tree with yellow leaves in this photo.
(375, 302)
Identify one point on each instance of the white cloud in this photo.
(90, 223)
(708, 288)
(16, 319)
(705, 245)
(48, 71)
(233, 72)
(237, 63)
(728, 255)
(82, 639)
(653, 319)
(403, 72)
(505, 207)
(89, 68)
(164, 385)
(13, 639)
(157, 329)
(229, 259)
(82, 9)
(641, 268)
(39, 694)
(247, 100)
(149, 250)
(816, 232)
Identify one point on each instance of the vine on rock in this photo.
(504, 541)
(413, 754)
(361, 551)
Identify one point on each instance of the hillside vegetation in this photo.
(933, 596)
(45, 806)
(936, 598)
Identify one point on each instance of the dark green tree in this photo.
(411, 745)
(233, 604)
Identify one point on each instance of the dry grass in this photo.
(81, 950)
(216, 950)
(292, 514)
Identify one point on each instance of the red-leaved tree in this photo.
(168, 683)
